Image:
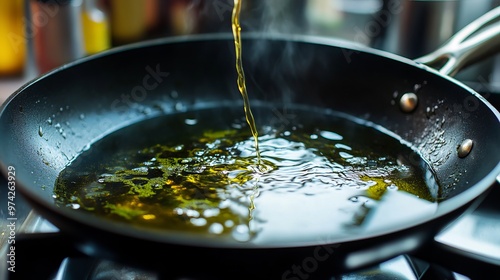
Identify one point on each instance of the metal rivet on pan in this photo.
(408, 102)
(465, 148)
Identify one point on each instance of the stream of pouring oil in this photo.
(235, 20)
(235, 24)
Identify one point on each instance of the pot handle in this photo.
(476, 41)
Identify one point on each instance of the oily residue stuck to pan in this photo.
(196, 172)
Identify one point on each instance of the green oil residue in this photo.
(204, 180)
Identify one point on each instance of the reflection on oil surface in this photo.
(322, 175)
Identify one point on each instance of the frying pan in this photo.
(49, 121)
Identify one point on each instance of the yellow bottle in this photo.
(13, 41)
(128, 21)
(96, 30)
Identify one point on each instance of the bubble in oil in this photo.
(192, 213)
(211, 212)
(354, 199)
(198, 221)
(392, 187)
(343, 146)
(241, 233)
(191, 121)
(216, 228)
(330, 135)
(345, 155)
(74, 205)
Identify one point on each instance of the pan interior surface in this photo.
(323, 174)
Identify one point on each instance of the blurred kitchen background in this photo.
(39, 35)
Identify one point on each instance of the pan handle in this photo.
(476, 41)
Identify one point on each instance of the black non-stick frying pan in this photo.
(48, 122)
